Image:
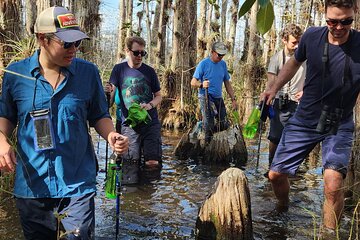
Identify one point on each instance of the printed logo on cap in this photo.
(67, 21)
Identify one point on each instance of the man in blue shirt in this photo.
(50, 98)
(325, 112)
(210, 74)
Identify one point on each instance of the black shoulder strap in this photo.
(346, 73)
(124, 110)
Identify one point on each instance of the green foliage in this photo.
(265, 18)
(246, 7)
(126, 25)
(212, 2)
(263, 2)
(20, 49)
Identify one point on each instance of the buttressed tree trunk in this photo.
(121, 32)
(178, 22)
(226, 213)
(155, 25)
(129, 18)
(233, 23)
(31, 13)
(44, 4)
(250, 81)
(148, 27)
(201, 40)
(88, 17)
(9, 27)
(223, 20)
(161, 34)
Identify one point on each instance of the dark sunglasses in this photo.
(220, 55)
(67, 45)
(335, 22)
(137, 53)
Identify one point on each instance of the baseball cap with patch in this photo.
(219, 47)
(61, 22)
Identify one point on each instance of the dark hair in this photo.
(134, 39)
(340, 3)
(291, 29)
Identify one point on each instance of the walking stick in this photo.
(107, 144)
(118, 192)
(260, 132)
(207, 114)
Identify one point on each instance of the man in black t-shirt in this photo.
(325, 112)
(138, 83)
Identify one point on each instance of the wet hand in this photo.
(269, 95)
(206, 83)
(298, 95)
(119, 143)
(235, 105)
(146, 106)
(7, 158)
(108, 88)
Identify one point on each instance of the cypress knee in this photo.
(226, 213)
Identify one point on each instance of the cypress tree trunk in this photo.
(9, 28)
(30, 12)
(88, 17)
(226, 213)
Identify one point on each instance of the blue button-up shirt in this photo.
(69, 169)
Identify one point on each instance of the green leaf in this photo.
(265, 18)
(217, 7)
(246, 7)
(212, 2)
(262, 3)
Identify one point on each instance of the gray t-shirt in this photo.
(296, 84)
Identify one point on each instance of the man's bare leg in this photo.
(281, 187)
(334, 198)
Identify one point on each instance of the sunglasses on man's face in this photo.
(335, 22)
(137, 53)
(67, 45)
(220, 55)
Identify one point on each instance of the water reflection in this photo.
(167, 207)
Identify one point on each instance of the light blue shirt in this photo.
(70, 169)
(216, 73)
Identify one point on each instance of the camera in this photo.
(283, 101)
(329, 120)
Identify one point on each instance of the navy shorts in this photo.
(281, 117)
(298, 140)
(39, 222)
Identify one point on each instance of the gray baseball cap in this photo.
(219, 47)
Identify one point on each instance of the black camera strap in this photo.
(346, 74)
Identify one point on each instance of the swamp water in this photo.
(166, 208)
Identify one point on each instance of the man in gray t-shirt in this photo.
(287, 98)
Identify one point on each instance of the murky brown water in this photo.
(166, 208)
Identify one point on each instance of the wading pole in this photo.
(107, 144)
(260, 133)
(207, 114)
(118, 192)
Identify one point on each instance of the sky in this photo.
(110, 14)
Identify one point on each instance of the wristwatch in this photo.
(152, 105)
